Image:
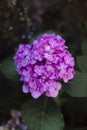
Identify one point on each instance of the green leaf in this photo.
(42, 114)
(60, 101)
(84, 46)
(78, 86)
(13, 2)
(8, 69)
(82, 63)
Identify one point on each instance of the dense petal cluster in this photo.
(43, 64)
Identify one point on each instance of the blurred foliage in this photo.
(8, 69)
(49, 117)
(20, 22)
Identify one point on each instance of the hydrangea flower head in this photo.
(43, 64)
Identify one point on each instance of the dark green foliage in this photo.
(84, 46)
(42, 114)
(78, 86)
(8, 69)
(82, 63)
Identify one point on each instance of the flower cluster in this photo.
(43, 63)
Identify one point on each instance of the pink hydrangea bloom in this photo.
(43, 64)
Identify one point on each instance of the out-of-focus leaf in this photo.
(13, 2)
(8, 69)
(60, 101)
(78, 86)
(42, 114)
(84, 46)
(82, 63)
